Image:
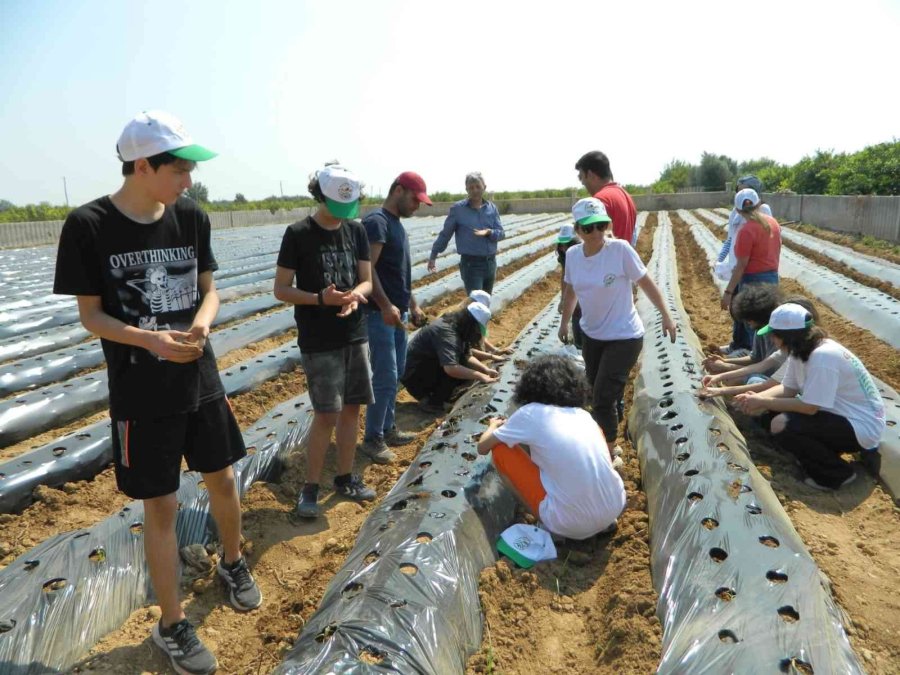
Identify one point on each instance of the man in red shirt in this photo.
(596, 177)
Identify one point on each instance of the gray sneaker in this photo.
(377, 450)
(244, 594)
(188, 655)
(355, 489)
(394, 437)
(307, 505)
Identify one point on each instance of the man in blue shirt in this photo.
(392, 303)
(476, 224)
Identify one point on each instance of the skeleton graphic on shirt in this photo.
(164, 293)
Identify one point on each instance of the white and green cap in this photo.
(590, 210)
(153, 132)
(341, 189)
(526, 545)
(482, 315)
(789, 316)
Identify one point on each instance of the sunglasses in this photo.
(590, 227)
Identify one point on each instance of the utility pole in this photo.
(281, 186)
(66, 191)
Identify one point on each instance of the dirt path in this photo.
(852, 534)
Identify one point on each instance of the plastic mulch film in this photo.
(889, 446)
(406, 599)
(738, 591)
(61, 597)
(86, 452)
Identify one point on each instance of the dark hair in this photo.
(597, 162)
(806, 304)
(467, 327)
(315, 190)
(755, 302)
(552, 380)
(801, 342)
(155, 162)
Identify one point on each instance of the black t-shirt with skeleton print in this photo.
(146, 276)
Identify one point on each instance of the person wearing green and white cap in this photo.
(141, 265)
(327, 254)
(599, 274)
(439, 357)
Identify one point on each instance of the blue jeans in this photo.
(741, 333)
(478, 272)
(387, 356)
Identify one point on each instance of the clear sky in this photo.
(517, 90)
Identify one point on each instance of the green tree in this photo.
(240, 199)
(874, 170)
(5, 205)
(714, 171)
(812, 174)
(198, 192)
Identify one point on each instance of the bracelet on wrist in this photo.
(321, 298)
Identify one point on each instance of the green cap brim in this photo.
(564, 240)
(765, 330)
(513, 554)
(342, 210)
(193, 153)
(595, 219)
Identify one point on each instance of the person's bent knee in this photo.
(778, 424)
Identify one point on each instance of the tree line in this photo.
(874, 170)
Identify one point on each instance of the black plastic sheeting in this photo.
(57, 600)
(88, 451)
(738, 591)
(406, 599)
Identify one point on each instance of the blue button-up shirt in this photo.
(462, 221)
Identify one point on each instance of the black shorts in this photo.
(338, 377)
(147, 452)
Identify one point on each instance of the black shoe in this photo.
(428, 406)
(188, 655)
(355, 489)
(244, 594)
(307, 504)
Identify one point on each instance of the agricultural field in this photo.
(73, 588)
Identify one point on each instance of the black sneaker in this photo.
(244, 594)
(394, 437)
(307, 504)
(187, 654)
(355, 489)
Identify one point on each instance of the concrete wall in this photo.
(875, 216)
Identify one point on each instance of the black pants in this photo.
(817, 442)
(431, 383)
(606, 365)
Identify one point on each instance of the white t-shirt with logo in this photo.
(836, 381)
(584, 493)
(602, 283)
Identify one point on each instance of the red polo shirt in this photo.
(762, 248)
(620, 207)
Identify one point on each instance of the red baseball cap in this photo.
(413, 181)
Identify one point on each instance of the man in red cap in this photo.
(392, 303)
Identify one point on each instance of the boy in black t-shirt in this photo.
(140, 263)
(566, 240)
(328, 255)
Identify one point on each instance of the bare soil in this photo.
(852, 534)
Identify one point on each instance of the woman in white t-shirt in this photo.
(827, 403)
(568, 480)
(599, 274)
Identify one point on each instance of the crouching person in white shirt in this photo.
(565, 477)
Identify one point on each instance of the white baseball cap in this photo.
(526, 545)
(482, 315)
(566, 234)
(789, 316)
(481, 296)
(746, 199)
(590, 210)
(341, 189)
(153, 132)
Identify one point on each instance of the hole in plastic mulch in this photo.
(681, 440)
(718, 555)
(57, 584)
(371, 655)
(424, 538)
(726, 594)
(789, 614)
(709, 523)
(351, 590)
(694, 497)
(371, 557)
(737, 467)
(384, 527)
(795, 665)
(691, 472)
(31, 565)
(448, 493)
(97, 555)
(728, 637)
(715, 431)
(468, 456)
(776, 577)
(670, 415)
(665, 403)
(7, 625)
(399, 506)
(676, 427)
(424, 465)
(327, 632)
(769, 541)
(409, 569)
(415, 483)
(136, 528)
(753, 509)
(58, 452)
(721, 447)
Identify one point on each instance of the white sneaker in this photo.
(810, 482)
